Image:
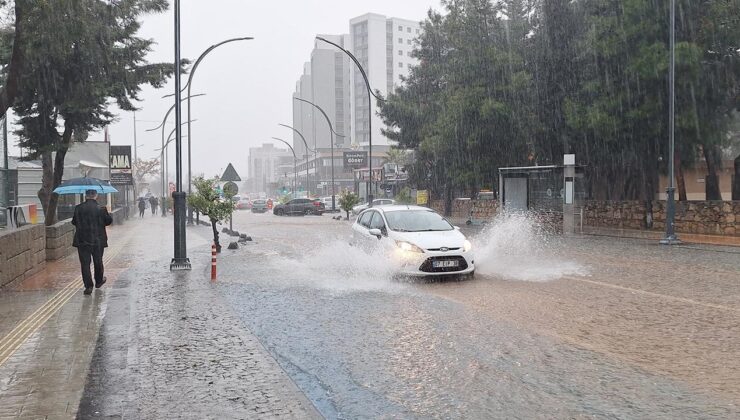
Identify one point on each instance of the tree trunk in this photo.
(448, 200)
(52, 172)
(17, 59)
(711, 184)
(680, 179)
(215, 236)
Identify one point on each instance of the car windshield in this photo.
(416, 221)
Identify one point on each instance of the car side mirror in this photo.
(375, 232)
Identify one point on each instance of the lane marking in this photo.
(653, 294)
(10, 344)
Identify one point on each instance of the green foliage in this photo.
(347, 200)
(521, 82)
(285, 198)
(79, 56)
(208, 202)
(404, 196)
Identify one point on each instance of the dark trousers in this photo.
(94, 253)
(141, 212)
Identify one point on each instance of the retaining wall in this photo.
(59, 240)
(22, 253)
(701, 217)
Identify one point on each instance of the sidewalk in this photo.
(149, 344)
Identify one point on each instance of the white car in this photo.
(376, 203)
(327, 203)
(417, 239)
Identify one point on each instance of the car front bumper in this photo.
(422, 264)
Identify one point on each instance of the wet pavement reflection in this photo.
(562, 328)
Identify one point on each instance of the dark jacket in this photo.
(91, 220)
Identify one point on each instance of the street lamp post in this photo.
(295, 167)
(370, 96)
(670, 234)
(180, 260)
(162, 168)
(305, 143)
(190, 134)
(331, 135)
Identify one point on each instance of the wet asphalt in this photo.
(300, 325)
(550, 327)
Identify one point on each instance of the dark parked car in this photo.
(300, 206)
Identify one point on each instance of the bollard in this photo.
(213, 262)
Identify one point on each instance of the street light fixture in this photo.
(162, 126)
(331, 136)
(370, 95)
(188, 86)
(295, 167)
(308, 185)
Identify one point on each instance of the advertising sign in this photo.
(120, 166)
(355, 160)
(422, 197)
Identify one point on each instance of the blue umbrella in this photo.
(80, 185)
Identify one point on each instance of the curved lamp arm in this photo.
(359, 66)
(305, 143)
(167, 115)
(322, 111)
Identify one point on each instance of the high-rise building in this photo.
(325, 82)
(267, 164)
(383, 47)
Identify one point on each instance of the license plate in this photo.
(445, 263)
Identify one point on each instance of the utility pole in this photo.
(670, 234)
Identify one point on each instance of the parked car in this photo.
(259, 205)
(244, 203)
(417, 239)
(327, 203)
(303, 206)
(377, 202)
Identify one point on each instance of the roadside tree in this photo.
(208, 202)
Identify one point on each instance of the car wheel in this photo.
(279, 212)
(308, 212)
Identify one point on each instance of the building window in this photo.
(400, 40)
(400, 28)
(408, 29)
(400, 65)
(408, 53)
(417, 32)
(409, 41)
(400, 52)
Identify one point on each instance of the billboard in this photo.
(354, 160)
(120, 165)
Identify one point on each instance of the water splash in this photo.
(339, 267)
(522, 247)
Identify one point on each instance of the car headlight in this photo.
(408, 247)
(467, 246)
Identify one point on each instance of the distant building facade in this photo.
(267, 164)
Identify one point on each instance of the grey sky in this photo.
(249, 84)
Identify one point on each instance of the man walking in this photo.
(153, 202)
(142, 206)
(90, 220)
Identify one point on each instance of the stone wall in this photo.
(22, 253)
(461, 208)
(702, 217)
(59, 240)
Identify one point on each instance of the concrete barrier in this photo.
(22, 253)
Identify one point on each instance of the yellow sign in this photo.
(422, 197)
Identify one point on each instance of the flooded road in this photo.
(584, 327)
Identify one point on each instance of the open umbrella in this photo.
(80, 185)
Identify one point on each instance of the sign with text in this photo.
(120, 166)
(422, 197)
(355, 159)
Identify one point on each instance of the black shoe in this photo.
(88, 291)
(97, 285)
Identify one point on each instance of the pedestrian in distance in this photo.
(91, 239)
(153, 202)
(142, 207)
